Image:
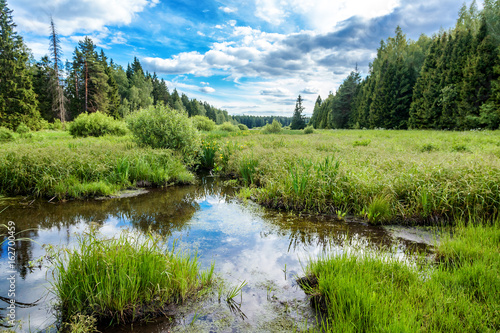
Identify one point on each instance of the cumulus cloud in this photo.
(228, 10)
(207, 90)
(322, 15)
(75, 16)
(279, 92)
(310, 91)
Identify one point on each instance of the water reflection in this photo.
(248, 243)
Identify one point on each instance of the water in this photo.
(264, 248)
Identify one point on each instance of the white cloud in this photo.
(232, 22)
(322, 15)
(207, 90)
(75, 16)
(228, 10)
(279, 92)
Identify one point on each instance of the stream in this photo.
(263, 248)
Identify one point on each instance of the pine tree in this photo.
(316, 111)
(18, 102)
(298, 121)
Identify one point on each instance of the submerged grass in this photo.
(54, 164)
(389, 173)
(374, 292)
(123, 279)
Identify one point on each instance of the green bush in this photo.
(203, 123)
(56, 125)
(243, 127)
(162, 127)
(309, 130)
(274, 128)
(228, 127)
(22, 129)
(96, 124)
(6, 134)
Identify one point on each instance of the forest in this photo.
(449, 81)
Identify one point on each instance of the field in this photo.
(385, 176)
(435, 178)
(54, 164)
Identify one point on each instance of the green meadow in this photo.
(386, 176)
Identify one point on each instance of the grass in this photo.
(54, 164)
(373, 292)
(408, 176)
(124, 279)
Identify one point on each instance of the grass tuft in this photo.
(124, 279)
(372, 292)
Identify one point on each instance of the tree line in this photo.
(447, 81)
(260, 121)
(33, 91)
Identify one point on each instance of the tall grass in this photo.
(391, 174)
(123, 279)
(372, 292)
(54, 164)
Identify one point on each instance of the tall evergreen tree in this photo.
(18, 102)
(298, 121)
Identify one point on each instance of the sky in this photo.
(251, 57)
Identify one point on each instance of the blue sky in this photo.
(249, 57)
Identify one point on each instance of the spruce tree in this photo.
(18, 102)
(298, 121)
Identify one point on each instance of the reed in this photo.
(374, 291)
(390, 175)
(52, 164)
(123, 279)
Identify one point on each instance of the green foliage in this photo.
(242, 127)
(6, 134)
(17, 99)
(228, 127)
(57, 165)
(203, 123)
(96, 124)
(22, 129)
(248, 168)
(309, 130)
(208, 153)
(162, 127)
(299, 173)
(364, 291)
(363, 143)
(81, 324)
(124, 279)
(298, 121)
(379, 210)
(273, 128)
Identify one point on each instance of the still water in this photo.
(264, 248)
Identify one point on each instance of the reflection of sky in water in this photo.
(247, 243)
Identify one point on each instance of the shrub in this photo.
(309, 130)
(162, 127)
(275, 127)
(203, 123)
(6, 134)
(96, 124)
(228, 127)
(56, 125)
(243, 127)
(22, 129)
